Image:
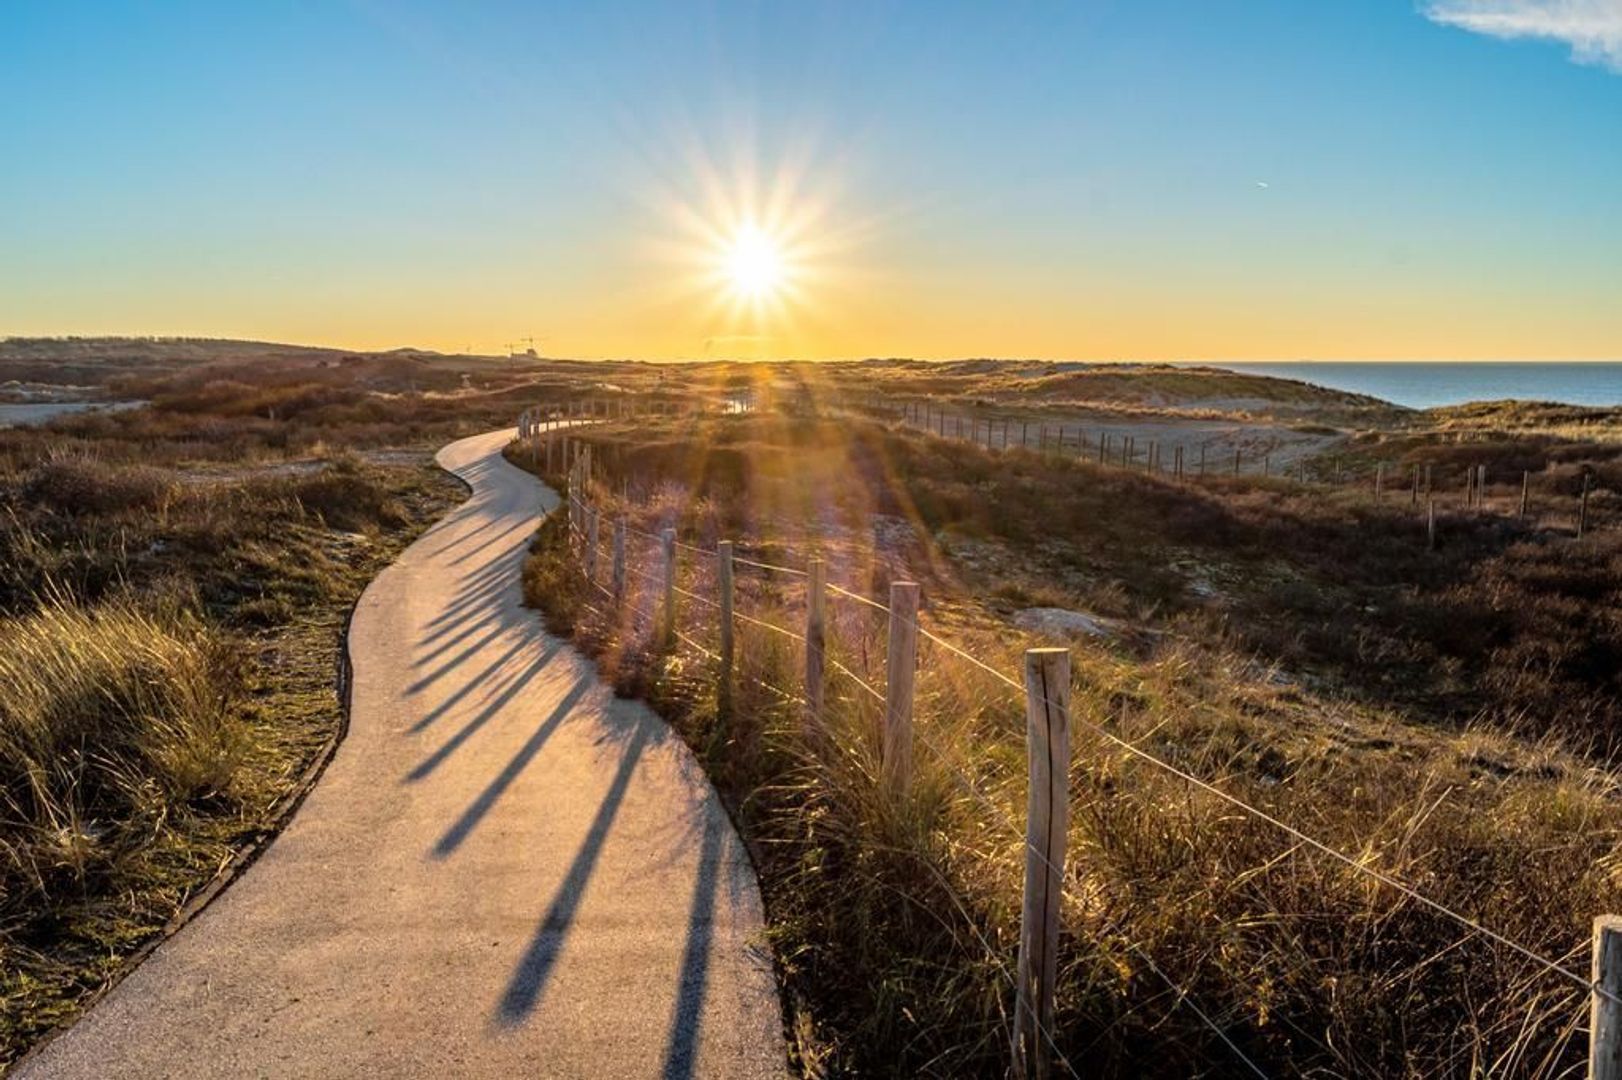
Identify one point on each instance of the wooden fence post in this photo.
(901, 669)
(1236, 461)
(1430, 524)
(668, 631)
(1047, 825)
(816, 597)
(1413, 495)
(1605, 1014)
(723, 579)
(591, 544)
(619, 559)
(1525, 474)
(1582, 508)
(1379, 481)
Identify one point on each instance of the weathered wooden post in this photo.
(1047, 825)
(1128, 451)
(667, 632)
(1470, 485)
(816, 600)
(1413, 495)
(1267, 463)
(1103, 446)
(1379, 481)
(1604, 1013)
(1236, 461)
(901, 669)
(1582, 508)
(1024, 434)
(723, 580)
(1525, 475)
(1428, 489)
(1430, 524)
(619, 559)
(591, 544)
(1481, 486)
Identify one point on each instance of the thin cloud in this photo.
(1591, 28)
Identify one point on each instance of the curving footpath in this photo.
(504, 871)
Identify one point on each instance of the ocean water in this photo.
(1424, 385)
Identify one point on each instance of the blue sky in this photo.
(1341, 178)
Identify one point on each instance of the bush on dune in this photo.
(80, 484)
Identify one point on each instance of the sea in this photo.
(1427, 384)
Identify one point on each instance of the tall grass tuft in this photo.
(111, 718)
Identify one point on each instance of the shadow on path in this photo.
(681, 1046)
(453, 837)
(535, 968)
(490, 708)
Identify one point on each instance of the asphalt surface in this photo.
(504, 871)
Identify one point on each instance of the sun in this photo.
(753, 263)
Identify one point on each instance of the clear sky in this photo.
(1217, 179)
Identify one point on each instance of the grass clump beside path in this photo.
(120, 733)
(110, 717)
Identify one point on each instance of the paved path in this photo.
(504, 871)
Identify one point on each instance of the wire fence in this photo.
(660, 567)
(1507, 492)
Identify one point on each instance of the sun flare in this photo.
(754, 264)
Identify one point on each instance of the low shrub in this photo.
(76, 484)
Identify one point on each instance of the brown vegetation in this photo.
(1302, 650)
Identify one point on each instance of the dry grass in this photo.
(111, 717)
(894, 922)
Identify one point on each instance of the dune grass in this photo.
(112, 719)
(894, 923)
